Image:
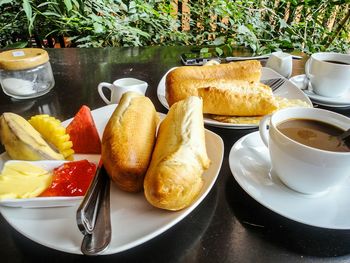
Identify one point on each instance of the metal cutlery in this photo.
(229, 59)
(274, 84)
(93, 215)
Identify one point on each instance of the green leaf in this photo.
(219, 51)
(2, 2)
(68, 5)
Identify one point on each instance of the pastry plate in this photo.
(301, 82)
(250, 165)
(288, 90)
(134, 220)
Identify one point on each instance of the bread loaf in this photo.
(237, 98)
(128, 141)
(174, 178)
(184, 81)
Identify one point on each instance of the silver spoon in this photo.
(344, 135)
(93, 215)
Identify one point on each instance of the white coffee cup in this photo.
(119, 87)
(328, 79)
(281, 62)
(303, 168)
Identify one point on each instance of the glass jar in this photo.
(25, 73)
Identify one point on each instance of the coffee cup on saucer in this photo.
(281, 62)
(119, 87)
(329, 73)
(304, 150)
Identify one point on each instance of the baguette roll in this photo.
(184, 81)
(174, 178)
(237, 98)
(128, 141)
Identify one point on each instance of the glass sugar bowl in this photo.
(25, 73)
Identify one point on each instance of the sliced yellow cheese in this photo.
(23, 180)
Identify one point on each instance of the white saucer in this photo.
(301, 82)
(250, 165)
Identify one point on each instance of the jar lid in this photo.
(19, 59)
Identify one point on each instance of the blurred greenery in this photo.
(261, 25)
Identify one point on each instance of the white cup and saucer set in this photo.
(326, 80)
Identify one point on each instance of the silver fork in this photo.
(274, 84)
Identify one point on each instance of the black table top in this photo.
(228, 226)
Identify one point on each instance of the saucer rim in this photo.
(329, 102)
(276, 189)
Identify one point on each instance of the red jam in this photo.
(71, 179)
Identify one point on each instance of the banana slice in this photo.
(22, 141)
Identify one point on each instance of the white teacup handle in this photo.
(263, 131)
(307, 68)
(100, 91)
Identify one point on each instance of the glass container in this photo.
(25, 73)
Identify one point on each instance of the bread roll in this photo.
(184, 81)
(174, 178)
(237, 98)
(128, 141)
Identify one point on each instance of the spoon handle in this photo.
(98, 240)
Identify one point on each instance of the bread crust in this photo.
(174, 178)
(237, 98)
(128, 141)
(183, 82)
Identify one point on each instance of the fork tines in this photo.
(274, 84)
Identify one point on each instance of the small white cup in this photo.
(281, 63)
(302, 168)
(326, 78)
(119, 87)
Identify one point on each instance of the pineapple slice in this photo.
(53, 132)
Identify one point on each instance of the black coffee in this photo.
(337, 62)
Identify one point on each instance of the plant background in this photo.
(261, 25)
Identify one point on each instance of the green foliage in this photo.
(261, 25)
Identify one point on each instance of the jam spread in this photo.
(71, 179)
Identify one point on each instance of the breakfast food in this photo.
(71, 179)
(184, 81)
(236, 97)
(53, 132)
(174, 178)
(22, 180)
(22, 141)
(83, 133)
(254, 120)
(128, 141)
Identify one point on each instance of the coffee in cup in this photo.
(304, 149)
(119, 87)
(329, 73)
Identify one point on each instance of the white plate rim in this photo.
(267, 73)
(274, 188)
(213, 141)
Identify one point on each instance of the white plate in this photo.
(134, 220)
(250, 165)
(287, 90)
(343, 101)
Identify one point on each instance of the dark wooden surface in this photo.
(228, 226)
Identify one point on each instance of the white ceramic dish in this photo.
(41, 201)
(300, 82)
(250, 165)
(287, 90)
(134, 220)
